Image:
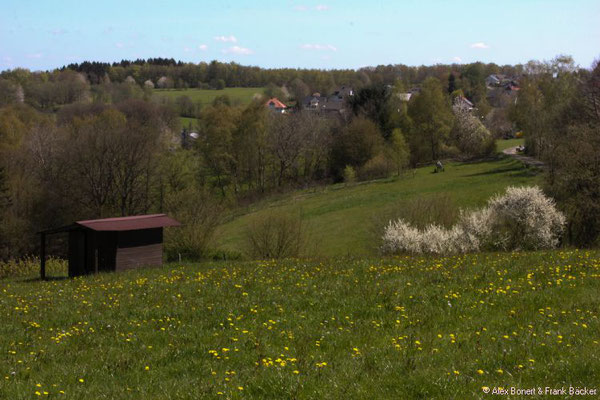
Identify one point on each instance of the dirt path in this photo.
(528, 161)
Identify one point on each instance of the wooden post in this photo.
(43, 256)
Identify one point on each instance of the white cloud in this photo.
(457, 59)
(300, 8)
(35, 55)
(323, 47)
(120, 45)
(203, 47)
(480, 45)
(223, 38)
(322, 7)
(237, 50)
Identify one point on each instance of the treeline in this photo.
(558, 110)
(211, 74)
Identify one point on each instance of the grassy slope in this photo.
(387, 328)
(339, 218)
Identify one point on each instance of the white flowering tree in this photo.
(471, 137)
(521, 219)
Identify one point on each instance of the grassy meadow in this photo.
(404, 327)
(241, 95)
(339, 218)
(504, 144)
(237, 95)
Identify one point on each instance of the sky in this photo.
(326, 34)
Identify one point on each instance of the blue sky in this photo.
(42, 34)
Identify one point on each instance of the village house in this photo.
(334, 104)
(276, 105)
(463, 102)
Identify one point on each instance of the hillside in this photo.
(340, 218)
(402, 328)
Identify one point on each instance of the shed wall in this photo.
(139, 248)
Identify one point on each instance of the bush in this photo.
(199, 214)
(521, 219)
(439, 209)
(376, 168)
(525, 219)
(275, 235)
(349, 174)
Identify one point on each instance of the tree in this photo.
(432, 120)
(272, 90)
(299, 90)
(354, 145)
(575, 181)
(217, 126)
(285, 142)
(451, 83)
(470, 136)
(251, 146)
(398, 150)
(373, 102)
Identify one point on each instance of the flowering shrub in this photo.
(521, 219)
(525, 219)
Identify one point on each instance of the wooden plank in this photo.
(139, 256)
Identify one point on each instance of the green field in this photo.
(392, 328)
(506, 144)
(339, 218)
(238, 95)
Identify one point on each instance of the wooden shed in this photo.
(112, 244)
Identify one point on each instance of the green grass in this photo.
(339, 218)
(239, 95)
(397, 328)
(186, 121)
(503, 144)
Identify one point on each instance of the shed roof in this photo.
(129, 223)
(120, 224)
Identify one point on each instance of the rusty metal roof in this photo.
(129, 223)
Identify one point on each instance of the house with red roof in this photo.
(276, 105)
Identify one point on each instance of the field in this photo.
(339, 218)
(238, 95)
(385, 328)
(506, 144)
(241, 95)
